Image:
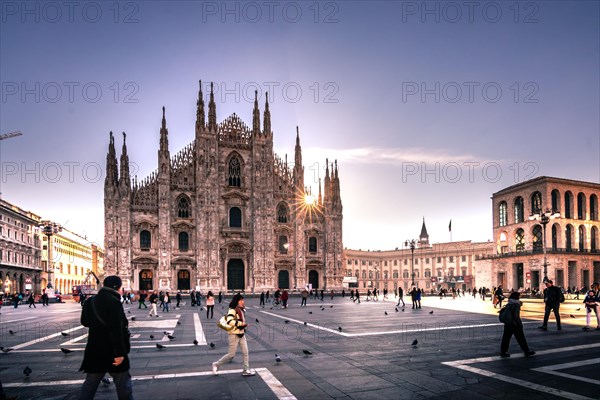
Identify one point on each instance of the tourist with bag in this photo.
(510, 315)
(235, 320)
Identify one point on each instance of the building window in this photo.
(184, 241)
(405, 274)
(594, 207)
(395, 274)
(235, 217)
(536, 203)
(385, 275)
(519, 210)
(427, 273)
(555, 199)
(464, 258)
(145, 240)
(537, 238)
(364, 274)
(503, 214)
(235, 172)
(568, 238)
(568, 205)
(439, 259)
(183, 208)
(594, 240)
(312, 245)
(283, 244)
(451, 259)
(395, 263)
(581, 206)
(282, 214)
(520, 240)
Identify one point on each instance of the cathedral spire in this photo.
(320, 197)
(164, 133)
(298, 169)
(125, 181)
(327, 185)
(112, 174)
(424, 237)
(267, 116)
(200, 110)
(256, 116)
(212, 111)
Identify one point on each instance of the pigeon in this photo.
(339, 328)
(171, 337)
(151, 336)
(178, 322)
(11, 332)
(106, 381)
(27, 371)
(307, 352)
(310, 312)
(578, 309)
(385, 312)
(128, 311)
(256, 320)
(396, 309)
(166, 333)
(286, 321)
(572, 316)
(277, 358)
(5, 349)
(305, 323)
(133, 318)
(431, 312)
(212, 345)
(65, 351)
(195, 342)
(64, 333)
(415, 342)
(330, 306)
(271, 308)
(159, 346)
(403, 310)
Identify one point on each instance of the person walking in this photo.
(284, 298)
(221, 296)
(236, 318)
(552, 297)
(166, 302)
(592, 303)
(153, 304)
(499, 294)
(356, 297)
(31, 300)
(199, 298)
(400, 297)
(108, 341)
(262, 299)
(142, 300)
(178, 298)
(514, 326)
(210, 304)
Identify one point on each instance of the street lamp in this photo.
(544, 218)
(412, 244)
(50, 228)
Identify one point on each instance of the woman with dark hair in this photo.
(514, 326)
(236, 319)
(210, 304)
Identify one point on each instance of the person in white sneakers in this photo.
(236, 318)
(591, 302)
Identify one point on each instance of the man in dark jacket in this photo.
(552, 298)
(108, 341)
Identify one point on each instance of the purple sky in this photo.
(429, 108)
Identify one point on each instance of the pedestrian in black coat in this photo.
(514, 327)
(108, 341)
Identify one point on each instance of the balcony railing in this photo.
(537, 251)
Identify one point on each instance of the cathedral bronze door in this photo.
(283, 281)
(313, 278)
(183, 280)
(145, 279)
(235, 274)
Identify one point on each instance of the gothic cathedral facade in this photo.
(224, 213)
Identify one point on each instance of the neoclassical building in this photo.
(223, 213)
(572, 239)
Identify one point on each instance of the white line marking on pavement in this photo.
(72, 341)
(199, 331)
(274, 384)
(463, 364)
(26, 344)
(308, 324)
(17, 320)
(553, 369)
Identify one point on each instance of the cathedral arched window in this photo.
(519, 210)
(283, 244)
(520, 240)
(235, 172)
(184, 241)
(183, 208)
(145, 240)
(537, 238)
(536, 203)
(312, 244)
(235, 217)
(503, 214)
(282, 214)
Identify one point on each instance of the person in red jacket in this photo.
(284, 298)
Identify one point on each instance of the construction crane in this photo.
(4, 137)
